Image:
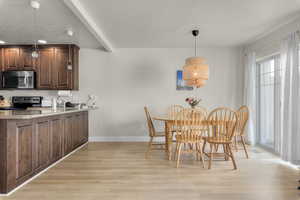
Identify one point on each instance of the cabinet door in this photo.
(56, 132)
(11, 57)
(2, 59)
(43, 143)
(63, 74)
(75, 68)
(24, 150)
(45, 68)
(77, 130)
(68, 134)
(26, 62)
(85, 127)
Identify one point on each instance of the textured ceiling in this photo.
(148, 23)
(167, 23)
(53, 18)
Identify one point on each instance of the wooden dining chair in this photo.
(221, 124)
(172, 112)
(243, 116)
(153, 145)
(188, 135)
(204, 111)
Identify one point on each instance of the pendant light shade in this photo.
(195, 70)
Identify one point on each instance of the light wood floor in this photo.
(118, 171)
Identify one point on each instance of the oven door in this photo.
(18, 79)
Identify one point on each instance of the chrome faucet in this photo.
(62, 102)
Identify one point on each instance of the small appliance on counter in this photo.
(18, 79)
(24, 102)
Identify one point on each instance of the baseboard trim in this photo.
(41, 172)
(119, 139)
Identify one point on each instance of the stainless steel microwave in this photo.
(18, 80)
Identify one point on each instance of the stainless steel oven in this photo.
(18, 80)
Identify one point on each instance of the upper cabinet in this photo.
(44, 69)
(56, 67)
(17, 58)
(11, 57)
(26, 62)
(63, 69)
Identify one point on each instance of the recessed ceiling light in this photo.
(70, 32)
(35, 4)
(2, 42)
(42, 41)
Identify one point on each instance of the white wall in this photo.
(127, 79)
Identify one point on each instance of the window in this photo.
(269, 89)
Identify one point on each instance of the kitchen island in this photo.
(31, 140)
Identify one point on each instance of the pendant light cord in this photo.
(35, 29)
(195, 46)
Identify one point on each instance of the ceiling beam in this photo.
(77, 8)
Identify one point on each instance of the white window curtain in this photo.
(250, 96)
(290, 132)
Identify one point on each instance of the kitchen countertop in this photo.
(32, 113)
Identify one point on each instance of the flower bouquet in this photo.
(193, 102)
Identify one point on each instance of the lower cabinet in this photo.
(56, 138)
(23, 152)
(69, 134)
(32, 145)
(42, 143)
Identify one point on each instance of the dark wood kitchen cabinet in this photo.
(11, 58)
(63, 69)
(68, 134)
(80, 129)
(76, 131)
(42, 143)
(23, 153)
(56, 136)
(56, 67)
(44, 72)
(31, 145)
(26, 62)
(17, 58)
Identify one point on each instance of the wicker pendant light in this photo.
(195, 71)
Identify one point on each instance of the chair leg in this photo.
(203, 147)
(225, 152)
(149, 147)
(178, 155)
(170, 144)
(210, 156)
(232, 156)
(235, 143)
(191, 146)
(244, 145)
(200, 153)
(216, 147)
(176, 149)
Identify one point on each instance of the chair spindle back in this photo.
(222, 123)
(243, 116)
(150, 123)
